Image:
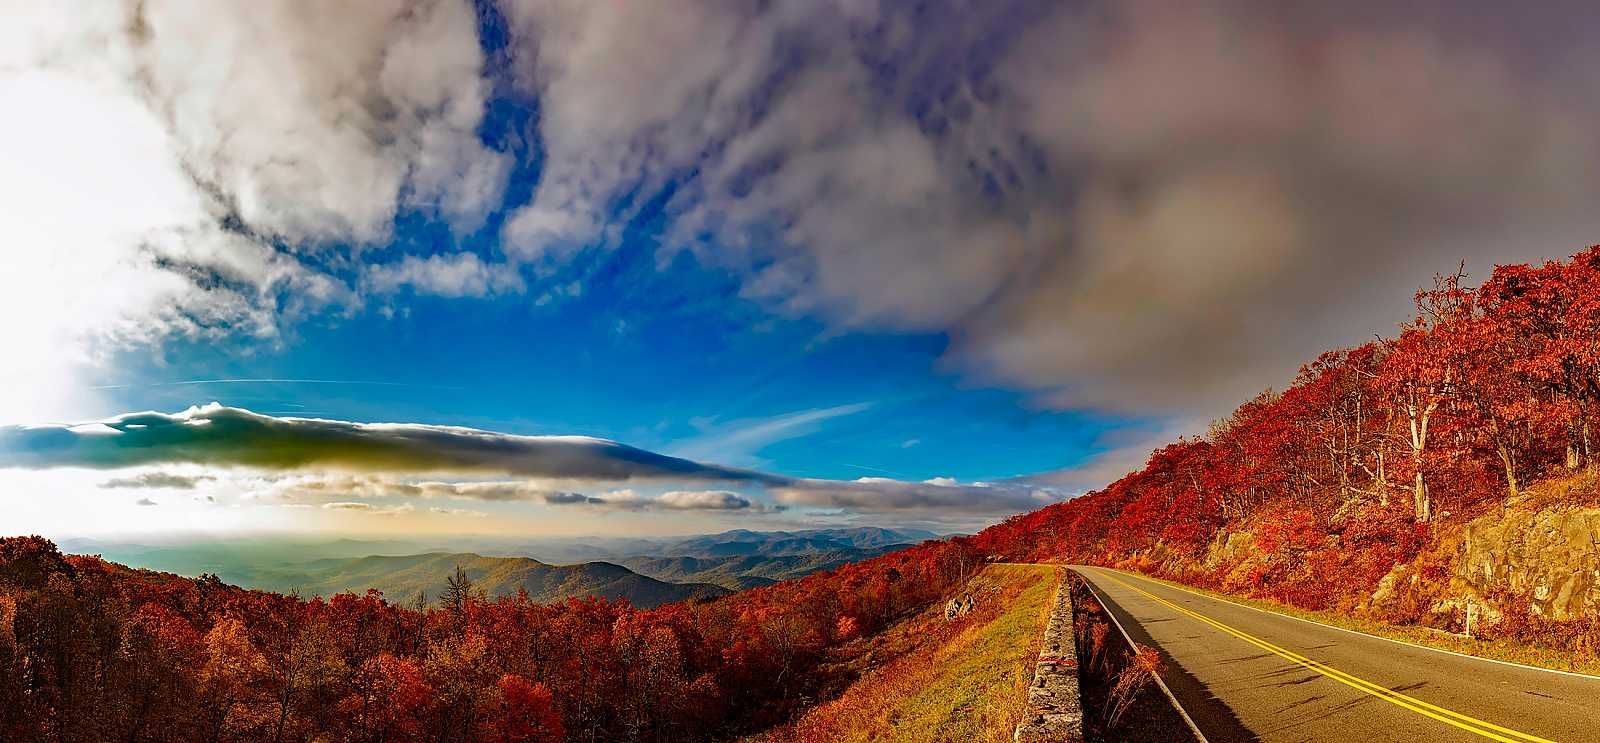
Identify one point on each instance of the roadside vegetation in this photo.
(929, 679)
(1122, 702)
(1443, 478)
(1506, 649)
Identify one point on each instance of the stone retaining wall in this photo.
(1055, 711)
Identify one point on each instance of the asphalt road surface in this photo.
(1247, 674)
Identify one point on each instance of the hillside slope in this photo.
(401, 577)
(91, 650)
(1447, 477)
(743, 542)
(737, 572)
(931, 679)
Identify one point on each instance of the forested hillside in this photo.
(744, 571)
(405, 576)
(1418, 478)
(93, 651)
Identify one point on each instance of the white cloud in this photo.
(1138, 206)
(160, 156)
(369, 508)
(738, 441)
(446, 275)
(158, 480)
(703, 500)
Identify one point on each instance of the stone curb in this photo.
(1055, 711)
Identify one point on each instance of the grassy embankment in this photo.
(926, 679)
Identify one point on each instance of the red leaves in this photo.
(846, 629)
(389, 699)
(205, 660)
(519, 711)
(1325, 487)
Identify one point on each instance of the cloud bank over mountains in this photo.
(341, 465)
(218, 435)
(1145, 207)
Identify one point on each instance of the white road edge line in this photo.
(1164, 690)
(1513, 664)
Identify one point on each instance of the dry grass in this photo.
(948, 681)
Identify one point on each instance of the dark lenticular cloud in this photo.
(224, 436)
(385, 453)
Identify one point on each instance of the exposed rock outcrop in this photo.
(1549, 558)
(958, 607)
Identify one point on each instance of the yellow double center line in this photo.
(1449, 717)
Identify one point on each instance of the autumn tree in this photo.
(1419, 376)
(230, 678)
(519, 711)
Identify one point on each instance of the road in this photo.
(1247, 674)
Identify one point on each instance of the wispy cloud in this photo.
(676, 500)
(166, 480)
(1123, 452)
(335, 490)
(738, 441)
(1147, 206)
(263, 380)
(370, 508)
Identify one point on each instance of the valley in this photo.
(674, 569)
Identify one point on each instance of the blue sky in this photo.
(625, 344)
(671, 361)
(929, 263)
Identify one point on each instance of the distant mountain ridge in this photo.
(738, 572)
(807, 541)
(400, 578)
(644, 571)
(741, 558)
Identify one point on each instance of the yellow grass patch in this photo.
(964, 680)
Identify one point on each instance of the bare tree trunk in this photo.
(1419, 492)
(1419, 498)
(1508, 458)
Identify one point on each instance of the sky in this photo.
(634, 268)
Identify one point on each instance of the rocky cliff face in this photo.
(1537, 555)
(1549, 558)
(1542, 559)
